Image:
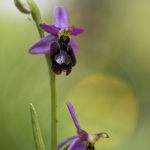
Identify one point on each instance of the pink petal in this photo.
(61, 17)
(50, 29)
(42, 46)
(76, 31)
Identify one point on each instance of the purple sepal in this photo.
(50, 29)
(61, 17)
(73, 115)
(77, 145)
(76, 31)
(67, 140)
(42, 46)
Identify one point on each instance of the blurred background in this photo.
(109, 86)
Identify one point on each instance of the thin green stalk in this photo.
(53, 107)
(53, 112)
(36, 16)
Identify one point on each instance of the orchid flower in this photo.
(61, 23)
(59, 43)
(82, 141)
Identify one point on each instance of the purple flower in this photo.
(59, 41)
(60, 23)
(82, 141)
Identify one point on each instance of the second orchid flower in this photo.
(82, 141)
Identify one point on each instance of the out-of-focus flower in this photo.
(42, 46)
(82, 141)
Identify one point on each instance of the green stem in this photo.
(36, 16)
(53, 106)
(53, 112)
(52, 80)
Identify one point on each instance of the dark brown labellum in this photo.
(62, 56)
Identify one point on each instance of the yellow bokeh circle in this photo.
(104, 103)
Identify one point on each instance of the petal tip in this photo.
(69, 104)
(61, 17)
(76, 31)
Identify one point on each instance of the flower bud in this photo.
(22, 6)
(30, 7)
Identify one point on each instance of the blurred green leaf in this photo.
(36, 130)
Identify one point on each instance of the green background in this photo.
(109, 86)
